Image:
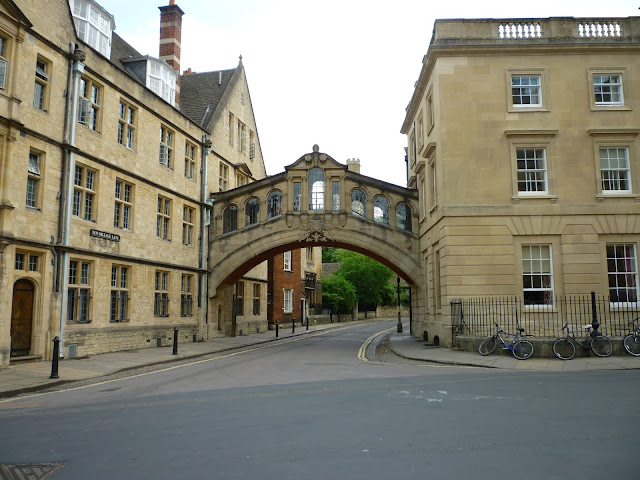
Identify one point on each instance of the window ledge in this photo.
(551, 198)
(533, 108)
(602, 196)
(606, 108)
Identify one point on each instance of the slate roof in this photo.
(121, 49)
(200, 94)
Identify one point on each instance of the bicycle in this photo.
(521, 349)
(631, 341)
(565, 348)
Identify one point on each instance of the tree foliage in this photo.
(369, 277)
(338, 294)
(329, 254)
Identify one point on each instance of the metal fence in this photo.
(478, 316)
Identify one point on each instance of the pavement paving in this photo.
(26, 377)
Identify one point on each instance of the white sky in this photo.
(338, 73)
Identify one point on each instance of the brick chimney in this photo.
(170, 37)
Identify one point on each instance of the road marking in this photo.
(363, 348)
(217, 357)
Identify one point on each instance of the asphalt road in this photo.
(310, 408)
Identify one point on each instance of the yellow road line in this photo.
(363, 348)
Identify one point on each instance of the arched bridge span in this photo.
(315, 202)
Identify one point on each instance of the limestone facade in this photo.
(523, 142)
(133, 263)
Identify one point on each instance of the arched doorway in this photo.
(21, 318)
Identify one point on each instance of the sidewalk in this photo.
(404, 345)
(25, 377)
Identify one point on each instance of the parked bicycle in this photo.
(521, 349)
(631, 341)
(565, 348)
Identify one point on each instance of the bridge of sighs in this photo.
(316, 201)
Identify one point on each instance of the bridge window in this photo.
(230, 219)
(403, 217)
(381, 210)
(316, 189)
(359, 203)
(297, 194)
(335, 196)
(252, 211)
(274, 204)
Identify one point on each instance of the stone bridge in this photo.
(315, 202)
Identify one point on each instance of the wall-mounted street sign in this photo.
(106, 235)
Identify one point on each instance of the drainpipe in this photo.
(77, 71)
(204, 304)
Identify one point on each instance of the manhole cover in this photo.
(28, 472)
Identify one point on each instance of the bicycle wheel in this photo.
(522, 349)
(632, 344)
(487, 346)
(601, 346)
(564, 349)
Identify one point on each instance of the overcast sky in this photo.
(337, 73)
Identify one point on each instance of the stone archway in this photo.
(22, 317)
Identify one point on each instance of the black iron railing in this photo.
(478, 316)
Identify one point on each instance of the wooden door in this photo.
(21, 318)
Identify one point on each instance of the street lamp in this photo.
(399, 321)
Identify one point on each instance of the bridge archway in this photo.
(317, 201)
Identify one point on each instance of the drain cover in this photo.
(28, 472)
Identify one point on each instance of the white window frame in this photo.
(615, 172)
(89, 108)
(3, 62)
(526, 90)
(529, 172)
(186, 295)
(166, 147)
(614, 87)
(629, 261)
(287, 261)
(622, 87)
(288, 300)
(533, 266)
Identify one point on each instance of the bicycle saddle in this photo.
(520, 329)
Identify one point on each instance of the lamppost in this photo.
(399, 320)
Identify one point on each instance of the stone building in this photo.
(107, 162)
(523, 141)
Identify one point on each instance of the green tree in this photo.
(338, 294)
(329, 254)
(369, 277)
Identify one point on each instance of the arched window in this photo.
(274, 204)
(358, 203)
(381, 210)
(316, 189)
(403, 217)
(252, 210)
(230, 219)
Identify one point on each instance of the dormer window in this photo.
(161, 79)
(93, 25)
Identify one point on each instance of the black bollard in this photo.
(277, 327)
(54, 360)
(175, 341)
(293, 325)
(307, 322)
